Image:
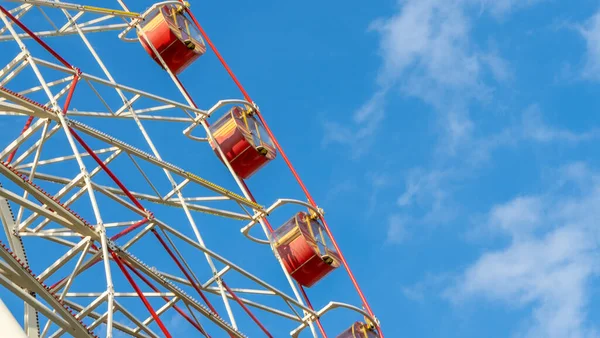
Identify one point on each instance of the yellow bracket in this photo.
(182, 8)
(370, 326)
(249, 111)
(315, 216)
(101, 10)
(222, 191)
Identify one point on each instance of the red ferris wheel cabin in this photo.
(173, 36)
(359, 330)
(243, 140)
(303, 246)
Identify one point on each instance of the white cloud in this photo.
(426, 47)
(550, 261)
(534, 128)
(519, 217)
(591, 33)
(426, 196)
(397, 232)
(340, 188)
(500, 68)
(423, 187)
(359, 134)
(431, 191)
(500, 8)
(420, 292)
(529, 127)
(427, 52)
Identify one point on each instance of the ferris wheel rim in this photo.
(71, 126)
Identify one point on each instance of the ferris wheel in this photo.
(111, 227)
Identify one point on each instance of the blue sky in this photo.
(471, 141)
(451, 144)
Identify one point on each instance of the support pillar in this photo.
(10, 328)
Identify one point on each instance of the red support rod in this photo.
(71, 92)
(35, 37)
(189, 278)
(141, 295)
(311, 307)
(105, 168)
(166, 299)
(267, 223)
(212, 46)
(129, 229)
(53, 286)
(237, 299)
(30, 119)
(90, 151)
(68, 102)
(287, 161)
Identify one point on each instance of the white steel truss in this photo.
(87, 147)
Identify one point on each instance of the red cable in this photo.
(287, 161)
(247, 310)
(30, 119)
(233, 77)
(102, 165)
(105, 168)
(181, 312)
(127, 192)
(35, 37)
(311, 307)
(267, 223)
(244, 93)
(141, 295)
(155, 289)
(186, 93)
(189, 278)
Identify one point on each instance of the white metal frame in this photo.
(48, 217)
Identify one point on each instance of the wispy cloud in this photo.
(529, 126)
(358, 135)
(535, 128)
(549, 262)
(425, 188)
(427, 51)
(501, 8)
(426, 47)
(519, 217)
(397, 232)
(425, 200)
(429, 194)
(590, 31)
(420, 292)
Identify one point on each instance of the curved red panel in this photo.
(166, 38)
(300, 256)
(303, 263)
(243, 156)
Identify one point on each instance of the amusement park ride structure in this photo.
(77, 202)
